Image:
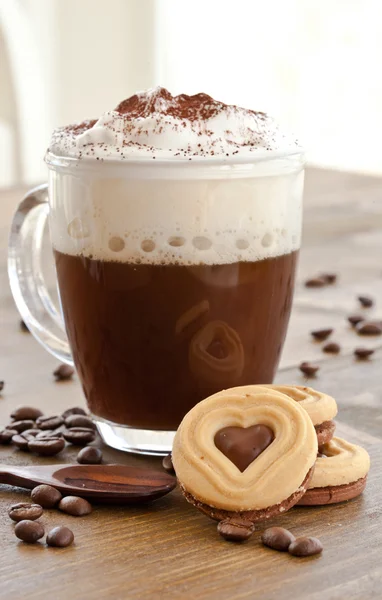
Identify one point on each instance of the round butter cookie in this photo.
(340, 474)
(247, 451)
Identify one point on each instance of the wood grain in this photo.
(169, 550)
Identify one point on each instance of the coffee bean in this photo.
(60, 537)
(49, 422)
(23, 326)
(308, 369)
(26, 412)
(331, 348)
(49, 433)
(369, 328)
(76, 506)
(89, 456)
(21, 441)
(167, 464)
(330, 278)
(321, 334)
(63, 372)
(366, 301)
(6, 436)
(236, 529)
(79, 421)
(316, 282)
(79, 436)
(277, 538)
(21, 426)
(56, 433)
(305, 546)
(76, 410)
(363, 353)
(46, 495)
(2, 383)
(31, 433)
(46, 446)
(25, 510)
(355, 319)
(29, 531)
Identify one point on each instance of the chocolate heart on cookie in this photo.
(243, 446)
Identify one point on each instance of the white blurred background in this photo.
(314, 64)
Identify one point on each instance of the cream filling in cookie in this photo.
(319, 406)
(343, 463)
(212, 478)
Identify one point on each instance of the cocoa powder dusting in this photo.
(198, 107)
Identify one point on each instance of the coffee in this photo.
(138, 365)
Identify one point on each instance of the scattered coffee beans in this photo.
(21, 413)
(20, 441)
(49, 422)
(79, 436)
(316, 282)
(305, 546)
(331, 348)
(6, 436)
(167, 464)
(63, 372)
(49, 446)
(46, 496)
(366, 301)
(236, 529)
(355, 319)
(21, 426)
(369, 328)
(29, 531)
(76, 506)
(321, 334)
(60, 537)
(361, 353)
(308, 369)
(1, 386)
(277, 538)
(79, 421)
(76, 410)
(25, 510)
(89, 456)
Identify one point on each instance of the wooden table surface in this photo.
(169, 550)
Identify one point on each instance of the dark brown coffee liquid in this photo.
(151, 341)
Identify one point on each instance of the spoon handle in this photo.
(15, 475)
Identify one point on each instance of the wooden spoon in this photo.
(103, 483)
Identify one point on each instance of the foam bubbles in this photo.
(201, 242)
(177, 222)
(116, 244)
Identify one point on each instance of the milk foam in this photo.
(156, 125)
(177, 222)
(192, 215)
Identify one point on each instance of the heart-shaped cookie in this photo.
(243, 446)
(279, 474)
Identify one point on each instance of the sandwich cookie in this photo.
(245, 452)
(321, 408)
(340, 474)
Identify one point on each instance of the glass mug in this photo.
(175, 280)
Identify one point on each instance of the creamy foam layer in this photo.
(154, 124)
(173, 221)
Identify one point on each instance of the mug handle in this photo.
(26, 277)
